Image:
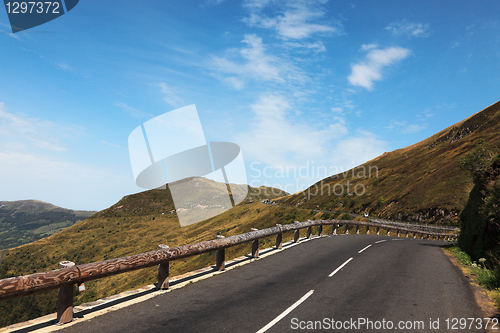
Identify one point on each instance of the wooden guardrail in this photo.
(70, 274)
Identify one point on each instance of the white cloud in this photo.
(65, 66)
(34, 175)
(409, 29)
(257, 4)
(35, 162)
(31, 131)
(413, 128)
(297, 19)
(406, 128)
(10, 34)
(256, 64)
(316, 47)
(364, 73)
(133, 111)
(277, 140)
(367, 47)
(170, 96)
(292, 155)
(358, 149)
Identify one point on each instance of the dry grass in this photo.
(420, 182)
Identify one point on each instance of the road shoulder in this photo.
(485, 302)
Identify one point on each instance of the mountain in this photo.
(422, 182)
(137, 223)
(25, 221)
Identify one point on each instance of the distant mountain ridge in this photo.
(25, 221)
(422, 182)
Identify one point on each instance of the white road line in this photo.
(287, 311)
(380, 241)
(340, 267)
(364, 248)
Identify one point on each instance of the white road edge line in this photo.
(380, 241)
(364, 248)
(340, 267)
(287, 311)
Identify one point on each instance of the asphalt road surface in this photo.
(405, 284)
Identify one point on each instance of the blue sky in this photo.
(303, 85)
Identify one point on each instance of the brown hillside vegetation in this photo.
(422, 182)
(138, 223)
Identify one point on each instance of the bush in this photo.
(325, 216)
(346, 216)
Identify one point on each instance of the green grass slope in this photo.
(422, 182)
(26, 221)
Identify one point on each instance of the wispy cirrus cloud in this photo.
(269, 138)
(32, 133)
(296, 19)
(132, 111)
(276, 140)
(413, 128)
(366, 72)
(170, 96)
(405, 128)
(254, 62)
(39, 155)
(316, 47)
(409, 29)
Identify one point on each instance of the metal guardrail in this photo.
(69, 274)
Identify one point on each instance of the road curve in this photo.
(334, 279)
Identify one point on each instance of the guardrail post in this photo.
(296, 234)
(367, 229)
(388, 232)
(414, 235)
(334, 228)
(406, 234)
(163, 272)
(65, 298)
(346, 229)
(378, 230)
(309, 232)
(279, 239)
(220, 260)
(357, 229)
(398, 232)
(255, 246)
(320, 230)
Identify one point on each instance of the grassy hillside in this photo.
(137, 223)
(422, 182)
(26, 221)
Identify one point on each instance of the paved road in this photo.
(394, 280)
